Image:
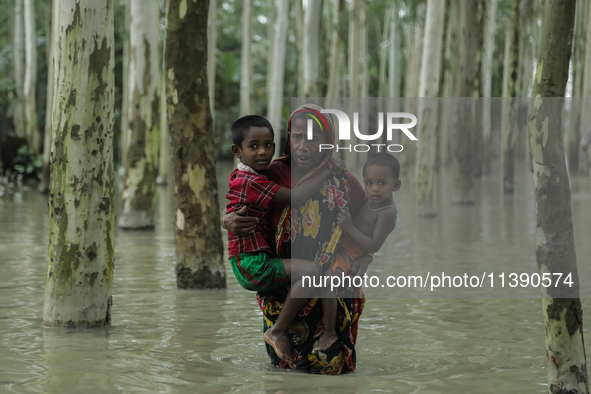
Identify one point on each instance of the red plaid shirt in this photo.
(256, 192)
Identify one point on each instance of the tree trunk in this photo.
(81, 199)
(138, 201)
(164, 151)
(555, 250)
(382, 83)
(246, 64)
(479, 146)
(199, 248)
(409, 154)
(428, 109)
(450, 79)
(336, 47)
(124, 125)
(510, 126)
(463, 121)
(271, 15)
(586, 115)
(312, 15)
(30, 76)
(574, 130)
(18, 60)
(48, 140)
(211, 54)
(277, 71)
(394, 60)
(489, 49)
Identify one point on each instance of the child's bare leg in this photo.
(276, 336)
(329, 315)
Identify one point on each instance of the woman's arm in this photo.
(238, 224)
(303, 192)
(385, 224)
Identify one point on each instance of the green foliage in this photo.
(26, 163)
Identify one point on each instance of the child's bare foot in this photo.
(325, 341)
(280, 344)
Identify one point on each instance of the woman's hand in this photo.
(344, 220)
(238, 224)
(336, 165)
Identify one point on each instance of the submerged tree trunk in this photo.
(245, 60)
(18, 66)
(277, 71)
(138, 201)
(199, 248)
(555, 250)
(451, 75)
(489, 48)
(463, 121)
(81, 199)
(479, 146)
(428, 110)
(510, 126)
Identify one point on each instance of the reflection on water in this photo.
(181, 341)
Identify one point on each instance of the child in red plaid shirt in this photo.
(252, 257)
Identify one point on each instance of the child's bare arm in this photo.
(303, 192)
(385, 223)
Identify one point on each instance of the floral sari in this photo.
(310, 232)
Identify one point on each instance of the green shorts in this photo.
(259, 271)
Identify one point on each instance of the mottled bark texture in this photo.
(138, 201)
(464, 129)
(555, 250)
(81, 200)
(199, 248)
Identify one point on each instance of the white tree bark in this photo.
(428, 110)
(30, 76)
(50, 93)
(277, 71)
(81, 199)
(382, 84)
(18, 64)
(164, 159)
(138, 201)
(393, 65)
(586, 91)
(311, 30)
(124, 125)
(245, 62)
(334, 61)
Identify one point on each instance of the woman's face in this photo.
(306, 153)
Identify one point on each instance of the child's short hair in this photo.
(241, 126)
(386, 160)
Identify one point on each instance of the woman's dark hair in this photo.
(241, 126)
(386, 160)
